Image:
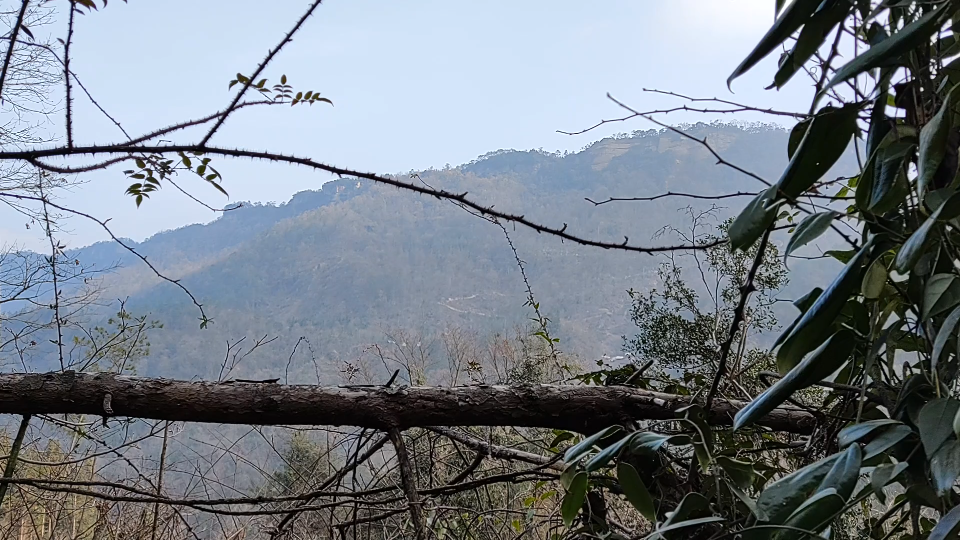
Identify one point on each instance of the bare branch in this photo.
(772, 112)
(499, 452)
(746, 290)
(103, 224)
(66, 74)
(702, 142)
(672, 194)
(333, 479)
(461, 198)
(14, 454)
(199, 121)
(54, 251)
(250, 81)
(13, 43)
(408, 479)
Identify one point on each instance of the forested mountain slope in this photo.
(352, 262)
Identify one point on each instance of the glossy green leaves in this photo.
(693, 510)
(578, 451)
(947, 525)
(789, 21)
(809, 230)
(933, 141)
(787, 498)
(813, 515)
(911, 250)
(935, 423)
(811, 38)
(757, 217)
(741, 473)
(814, 326)
(887, 53)
(573, 500)
(883, 181)
(884, 474)
(822, 145)
(635, 491)
(874, 280)
(826, 360)
(885, 440)
(945, 466)
(854, 433)
(604, 456)
(941, 294)
(824, 141)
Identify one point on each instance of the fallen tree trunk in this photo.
(576, 408)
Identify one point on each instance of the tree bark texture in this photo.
(575, 408)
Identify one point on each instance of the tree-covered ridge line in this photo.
(266, 269)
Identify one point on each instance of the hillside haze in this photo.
(352, 263)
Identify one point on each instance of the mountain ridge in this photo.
(348, 263)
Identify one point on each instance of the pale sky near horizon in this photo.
(415, 84)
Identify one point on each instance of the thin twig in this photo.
(560, 232)
(163, 462)
(672, 194)
(825, 67)
(721, 161)
(336, 477)
(542, 322)
(11, 465)
(735, 108)
(250, 81)
(409, 481)
(746, 289)
(76, 78)
(13, 43)
(54, 249)
(201, 203)
(103, 224)
(726, 102)
(501, 452)
(198, 121)
(66, 75)
(81, 169)
(703, 142)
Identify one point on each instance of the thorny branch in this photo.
(672, 194)
(746, 289)
(121, 243)
(13, 42)
(54, 252)
(66, 74)
(251, 80)
(34, 156)
(702, 142)
(733, 108)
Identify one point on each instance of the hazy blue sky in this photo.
(415, 84)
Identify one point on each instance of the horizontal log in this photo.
(576, 408)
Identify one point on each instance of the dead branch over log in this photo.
(484, 448)
(577, 408)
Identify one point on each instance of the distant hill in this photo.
(345, 264)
